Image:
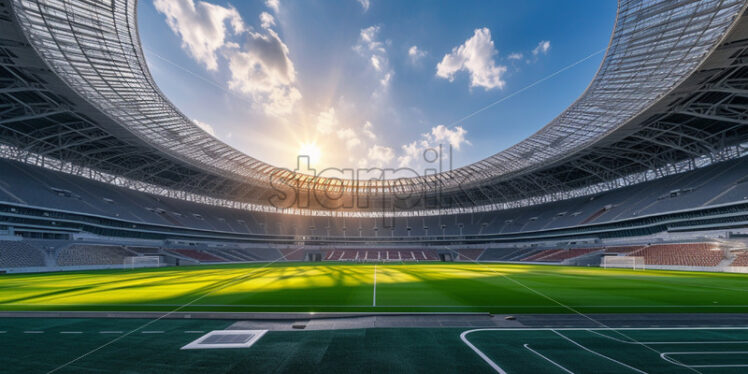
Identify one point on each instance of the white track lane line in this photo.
(664, 356)
(548, 359)
(597, 353)
(673, 343)
(480, 353)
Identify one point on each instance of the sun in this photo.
(311, 150)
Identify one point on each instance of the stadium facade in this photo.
(654, 148)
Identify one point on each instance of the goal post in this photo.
(137, 262)
(625, 262)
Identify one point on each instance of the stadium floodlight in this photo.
(137, 262)
(625, 262)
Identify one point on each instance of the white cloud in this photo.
(273, 4)
(385, 81)
(349, 138)
(375, 51)
(515, 56)
(263, 70)
(365, 4)
(206, 127)
(201, 25)
(266, 20)
(369, 130)
(415, 54)
(377, 156)
(413, 152)
(376, 62)
(327, 121)
(454, 137)
(476, 57)
(542, 47)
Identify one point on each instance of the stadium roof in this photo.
(670, 94)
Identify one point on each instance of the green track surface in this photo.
(452, 287)
(31, 345)
(340, 351)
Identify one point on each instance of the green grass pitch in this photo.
(338, 287)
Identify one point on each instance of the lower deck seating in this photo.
(740, 260)
(626, 250)
(197, 255)
(19, 254)
(291, 254)
(470, 254)
(144, 250)
(505, 254)
(686, 254)
(539, 256)
(566, 254)
(83, 254)
(381, 255)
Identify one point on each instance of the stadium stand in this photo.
(540, 256)
(82, 254)
(565, 254)
(741, 259)
(381, 255)
(143, 250)
(19, 254)
(470, 254)
(506, 254)
(292, 254)
(33, 187)
(626, 250)
(200, 256)
(685, 254)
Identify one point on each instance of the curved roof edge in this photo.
(656, 46)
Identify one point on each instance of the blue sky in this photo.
(358, 83)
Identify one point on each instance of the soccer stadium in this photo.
(613, 239)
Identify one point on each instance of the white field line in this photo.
(708, 306)
(231, 282)
(498, 369)
(553, 300)
(597, 353)
(673, 343)
(664, 356)
(374, 301)
(548, 359)
(33, 332)
(71, 332)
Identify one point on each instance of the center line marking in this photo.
(374, 301)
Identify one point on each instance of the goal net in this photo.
(136, 262)
(628, 262)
